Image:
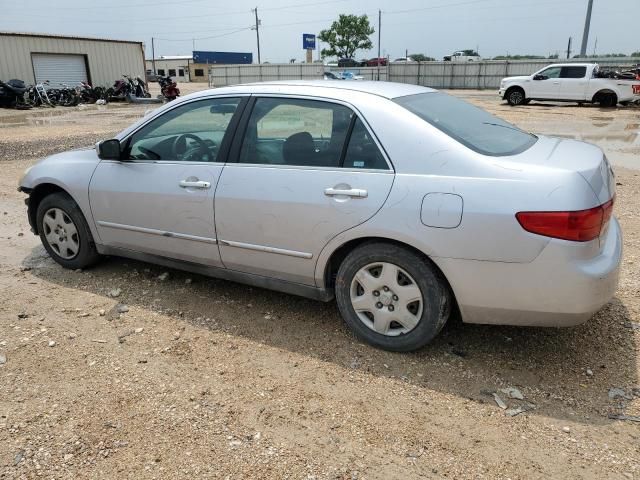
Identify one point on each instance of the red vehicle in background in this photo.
(373, 62)
(168, 88)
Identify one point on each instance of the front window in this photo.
(551, 72)
(469, 125)
(172, 72)
(189, 133)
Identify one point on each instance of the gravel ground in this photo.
(122, 372)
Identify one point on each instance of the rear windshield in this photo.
(469, 125)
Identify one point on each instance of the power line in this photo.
(203, 38)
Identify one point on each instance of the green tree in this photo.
(635, 54)
(346, 35)
(420, 57)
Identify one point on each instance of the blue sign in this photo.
(308, 41)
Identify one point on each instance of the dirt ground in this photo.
(203, 378)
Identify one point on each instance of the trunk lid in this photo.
(583, 158)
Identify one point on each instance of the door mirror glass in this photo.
(109, 149)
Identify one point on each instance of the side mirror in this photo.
(109, 149)
(539, 77)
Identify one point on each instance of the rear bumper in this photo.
(560, 288)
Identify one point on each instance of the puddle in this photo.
(34, 117)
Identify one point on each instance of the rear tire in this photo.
(607, 100)
(391, 297)
(515, 96)
(64, 232)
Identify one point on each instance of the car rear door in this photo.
(573, 82)
(159, 198)
(304, 171)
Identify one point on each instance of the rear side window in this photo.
(362, 151)
(473, 127)
(573, 72)
(295, 132)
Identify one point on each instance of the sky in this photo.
(434, 28)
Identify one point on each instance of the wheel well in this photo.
(600, 93)
(331, 269)
(511, 89)
(36, 196)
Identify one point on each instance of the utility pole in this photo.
(595, 46)
(257, 29)
(194, 45)
(585, 34)
(153, 55)
(569, 49)
(379, 31)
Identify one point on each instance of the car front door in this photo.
(573, 82)
(158, 198)
(305, 171)
(546, 84)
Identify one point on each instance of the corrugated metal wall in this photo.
(475, 75)
(221, 75)
(107, 61)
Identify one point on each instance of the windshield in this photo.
(469, 125)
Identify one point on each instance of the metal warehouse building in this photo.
(34, 58)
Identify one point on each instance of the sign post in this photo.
(309, 44)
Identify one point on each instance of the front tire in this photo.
(391, 297)
(515, 96)
(64, 232)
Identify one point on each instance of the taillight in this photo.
(577, 226)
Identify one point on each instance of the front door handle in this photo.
(352, 192)
(195, 184)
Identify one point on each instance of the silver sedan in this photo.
(403, 203)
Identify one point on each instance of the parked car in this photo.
(373, 62)
(569, 82)
(347, 62)
(403, 203)
(461, 56)
(331, 76)
(403, 60)
(151, 77)
(347, 75)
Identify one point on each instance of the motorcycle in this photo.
(121, 88)
(12, 94)
(89, 94)
(168, 88)
(38, 95)
(138, 87)
(65, 96)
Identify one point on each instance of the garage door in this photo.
(59, 69)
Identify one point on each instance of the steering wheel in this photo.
(181, 148)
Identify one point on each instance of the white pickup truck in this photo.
(569, 82)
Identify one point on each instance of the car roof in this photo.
(388, 90)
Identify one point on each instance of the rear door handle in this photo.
(195, 184)
(352, 192)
